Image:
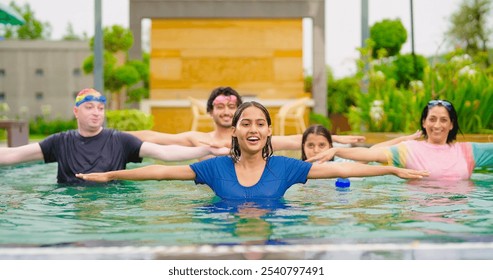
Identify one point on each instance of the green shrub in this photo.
(409, 68)
(385, 108)
(127, 120)
(341, 94)
(41, 126)
(456, 80)
(320, 119)
(472, 96)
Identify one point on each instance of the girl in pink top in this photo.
(439, 154)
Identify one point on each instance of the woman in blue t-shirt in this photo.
(250, 171)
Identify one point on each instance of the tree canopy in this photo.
(388, 35)
(120, 73)
(469, 27)
(31, 30)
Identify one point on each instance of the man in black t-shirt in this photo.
(92, 148)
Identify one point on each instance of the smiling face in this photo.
(223, 110)
(252, 131)
(315, 144)
(437, 125)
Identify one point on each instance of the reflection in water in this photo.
(437, 205)
(250, 222)
(247, 220)
(35, 211)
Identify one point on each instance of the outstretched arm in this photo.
(288, 142)
(398, 140)
(151, 172)
(348, 139)
(293, 142)
(357, 154)
(183, 139)
(354, 169)
(178, 153)
(30, 152)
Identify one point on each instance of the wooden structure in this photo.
(256, 47)
(17, 132)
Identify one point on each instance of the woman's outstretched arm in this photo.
(357, 154)
(151, 172)
(397, 140)
(354, 169)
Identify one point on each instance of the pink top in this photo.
(445, 162)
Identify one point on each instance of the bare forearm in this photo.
(348, 169)
(354, 169)
(361, 154)
(290, 142)
(143, 135)
(162, 138)
(7, 156)
(365, 170)
(348, 139)
(179, 153)
(398, 140)
(174, 152)
(151, 172)
(30, 152)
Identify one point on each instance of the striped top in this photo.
(445, 162)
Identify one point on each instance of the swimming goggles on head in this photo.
(444, 103)
(224, 99)
(88, 98)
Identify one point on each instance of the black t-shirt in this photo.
(107, 151)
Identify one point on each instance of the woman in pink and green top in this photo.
(439, 153)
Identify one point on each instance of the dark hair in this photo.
(314, 129)
(226, 91)
(235, 151)
(452, 135)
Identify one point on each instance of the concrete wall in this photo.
(34, 74)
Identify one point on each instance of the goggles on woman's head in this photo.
(444, 103)
(88, 98)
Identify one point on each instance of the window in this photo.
(2, 96)
(2, 72)
(76, 72)
(39, 72)
(39, 96)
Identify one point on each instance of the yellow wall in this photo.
(177, 120)
(254, 56)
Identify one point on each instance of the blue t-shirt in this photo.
(109, 150)
(279, 174)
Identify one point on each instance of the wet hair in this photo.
(235, 151)
(226, 91)
(316, 129)
(452, 134)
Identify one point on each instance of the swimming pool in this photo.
(378, 218)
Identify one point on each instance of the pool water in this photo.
(37, 212)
